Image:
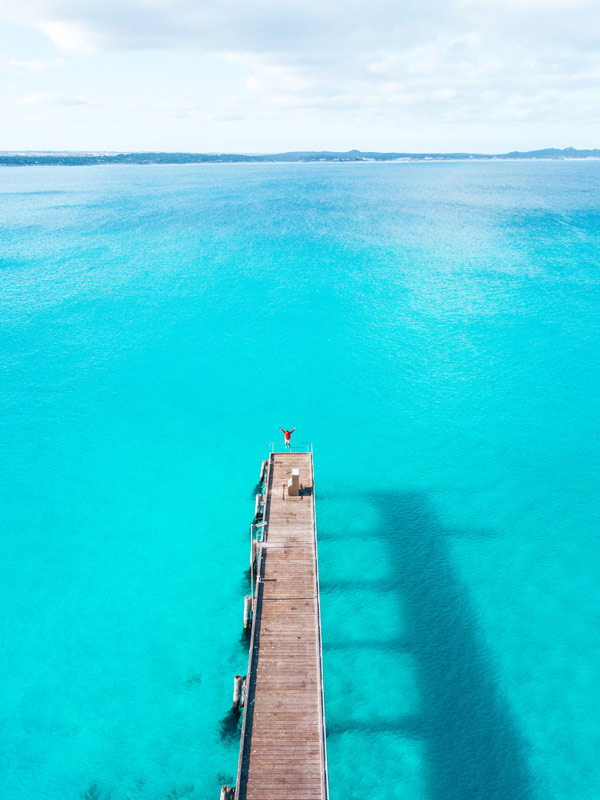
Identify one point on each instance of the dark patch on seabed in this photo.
(193, 681)
(180, 792)
(474, 750)
(245, 638)
(230, 726)
(95, 792)
(245, 580)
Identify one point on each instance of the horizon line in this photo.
(261, 153)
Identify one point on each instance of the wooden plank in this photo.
(282, 752)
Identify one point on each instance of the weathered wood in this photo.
(247, 610)
(294, 483)
(237, 690)
(282, 752)
(258, 511)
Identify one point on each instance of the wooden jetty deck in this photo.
(282, 752)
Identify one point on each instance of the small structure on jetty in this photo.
(283, 752)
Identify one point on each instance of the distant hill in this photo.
(28, 158)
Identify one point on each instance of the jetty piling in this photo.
(247, 611)
(237, 690)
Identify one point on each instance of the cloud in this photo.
(52, 99)
(278, 26)
(36, 65)
(71, 36)
(417, 62)
(274, 26)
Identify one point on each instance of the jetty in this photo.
(282, 750)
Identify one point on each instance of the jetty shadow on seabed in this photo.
(473, 748)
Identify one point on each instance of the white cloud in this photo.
(36, 65)
(51, 99)
(68, 36)
(422, 62)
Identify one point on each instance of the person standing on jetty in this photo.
(287, 435)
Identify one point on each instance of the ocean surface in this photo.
(433, 329)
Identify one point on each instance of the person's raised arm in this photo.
(293, 429)
(281, 429)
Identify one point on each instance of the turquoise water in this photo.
(433, 329)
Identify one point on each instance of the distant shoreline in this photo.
(12, 158)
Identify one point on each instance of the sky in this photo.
(267, 76)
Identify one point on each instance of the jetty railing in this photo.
(294, 447)
(325, 776)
